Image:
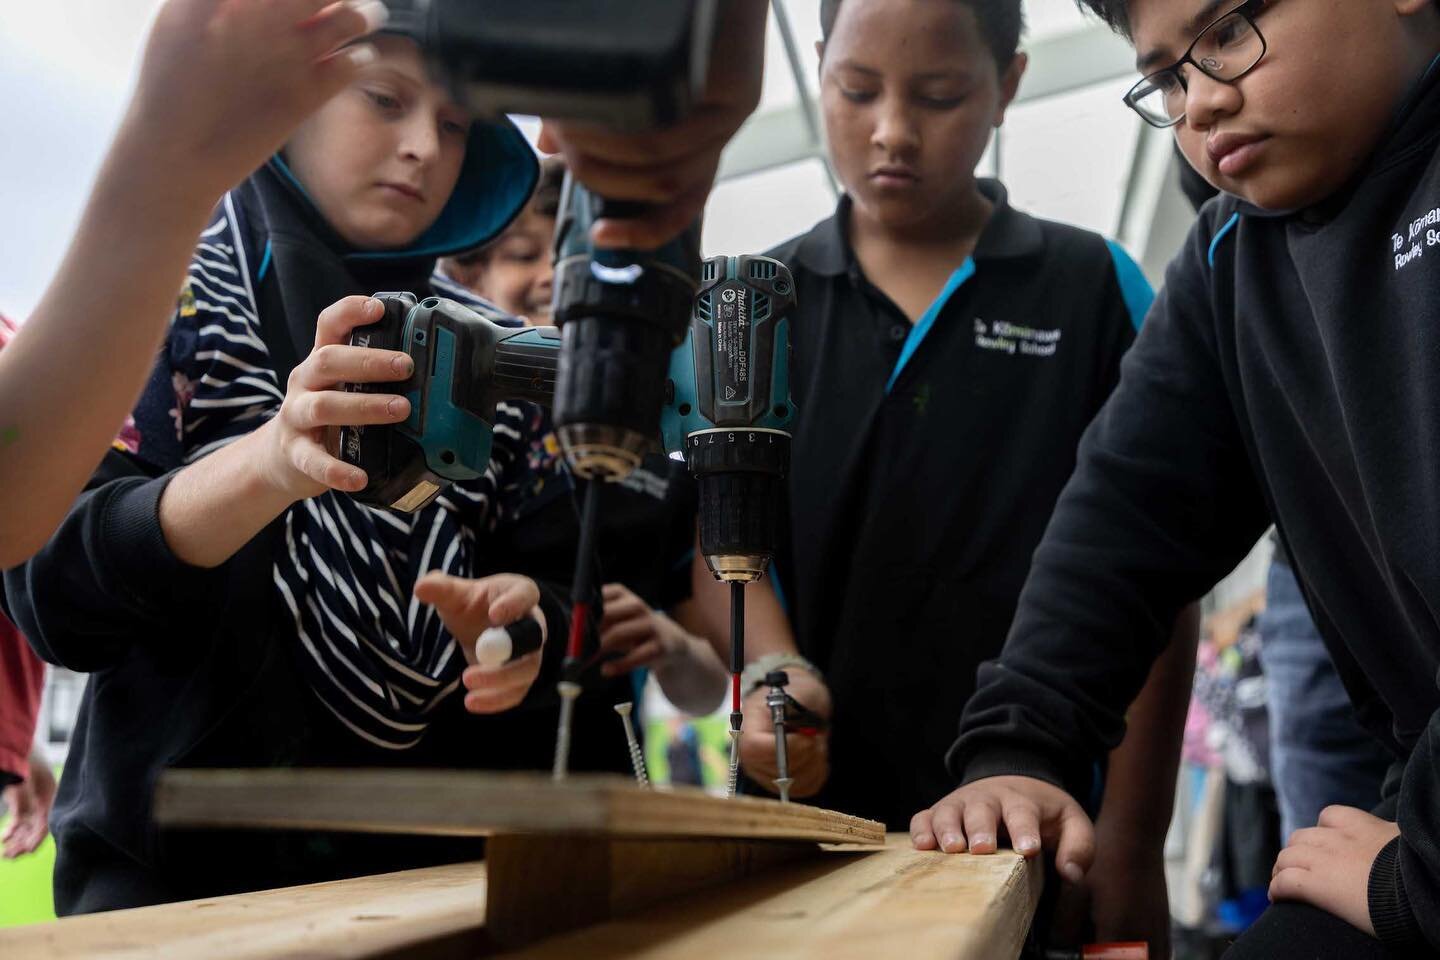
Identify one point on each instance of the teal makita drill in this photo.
(464, 365)
(728, 411)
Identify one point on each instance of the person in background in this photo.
(949, 351)
(516, 272)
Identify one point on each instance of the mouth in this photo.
(403, 190)
(1234, 153)
(893, 176)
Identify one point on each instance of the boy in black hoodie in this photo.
(1286, 372)
(234, 605)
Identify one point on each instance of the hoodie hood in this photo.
(496, 180)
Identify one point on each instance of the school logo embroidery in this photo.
(1420, 235)
(1010, 338)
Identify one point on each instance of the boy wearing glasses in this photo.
(1286, 372)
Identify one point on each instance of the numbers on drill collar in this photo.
(722, 435)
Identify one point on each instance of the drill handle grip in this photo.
(524, 366)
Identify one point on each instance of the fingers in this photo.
(319, 409)
(947, 824)
(493, 691)
(452, 595)
(980, 821)
(315, 462)
(336, 363)
(621, 635)
(656, 228)
(621, 605)
(513, 597)
(1075, 849)
(642, 655)
(922, 831)
(1022, 823)
(337, 320)
(339, 23)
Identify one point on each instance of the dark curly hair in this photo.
(1000, 24)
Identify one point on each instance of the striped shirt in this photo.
(378, 659)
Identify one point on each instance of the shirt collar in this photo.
(826, 250)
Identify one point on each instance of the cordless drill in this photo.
(728, 410)
(637, 65)
(464, 365)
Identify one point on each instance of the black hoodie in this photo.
(1287, 371)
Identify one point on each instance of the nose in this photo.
(1208, 99)
(894, 134)
(420, 137)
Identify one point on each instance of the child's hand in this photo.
(643, 637)
(298, 446)
(470, 607)
(807, 757)
(224, 82)
(1328, 866)
(1030, 810)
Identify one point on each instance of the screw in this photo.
(637, 759)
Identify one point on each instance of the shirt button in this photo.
(899, 332)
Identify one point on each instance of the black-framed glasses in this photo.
(1226, 50)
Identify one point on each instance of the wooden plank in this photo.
(436, 914)
(597, 879)
(468, 803)
(843, 906)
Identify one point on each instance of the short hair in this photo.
(1001, 22)
(1116, 13)
(545, 201)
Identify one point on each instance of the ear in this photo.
(1010, 84)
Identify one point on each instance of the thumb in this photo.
(452, 595)
(514, 598)
(1075, 851)
(548, 141)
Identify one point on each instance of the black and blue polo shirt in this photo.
(927, 460)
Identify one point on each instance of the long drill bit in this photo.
(737, 666)
(582, 594)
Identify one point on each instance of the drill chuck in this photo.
(740, 476)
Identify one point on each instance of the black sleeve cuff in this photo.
(1390, 914)
(132, 549)
(998, 762)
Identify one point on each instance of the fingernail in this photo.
(403, 364)
(397, 407)
(950, 841)
(362, 55)
(1026, 845)
(1071, 871)
(980, 839)
(376, 14)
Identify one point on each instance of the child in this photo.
(235, 606)
(516, 272)
(949, 351)
(189, 134)
(1285, 374)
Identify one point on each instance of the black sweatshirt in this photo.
(1288, 370)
